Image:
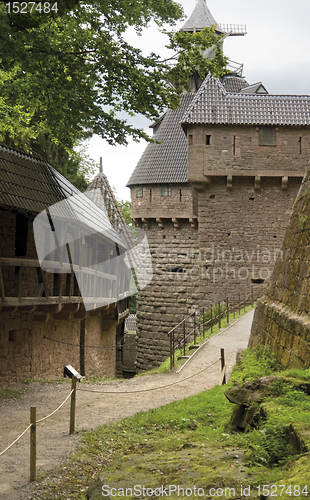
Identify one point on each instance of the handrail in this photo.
(178, 339)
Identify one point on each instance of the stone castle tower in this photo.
(215, 196)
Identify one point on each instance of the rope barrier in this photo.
(152, 388)
(10, 446)
(48, 416)
(89, 346)
(41, 420)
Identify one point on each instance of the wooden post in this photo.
(211, 318)
(244, 303)
(184, 335)
(33, 443)
(239, 303)
(223, 365)
(227, 310)
(195, 328)
(203, 322)
(171, 352)
(234, 306)
(219, 311)
(2, 292)
(72, 409)
(252, 297)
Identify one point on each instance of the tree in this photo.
(66, 75)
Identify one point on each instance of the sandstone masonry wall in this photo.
(173, 292)
(25, 352)
(241, 230)
(153, 205)
(282, 318)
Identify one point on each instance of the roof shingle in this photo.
(214, 105)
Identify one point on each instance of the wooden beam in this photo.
(2, 291)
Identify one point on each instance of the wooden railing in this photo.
(55, 284)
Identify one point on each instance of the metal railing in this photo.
(234, 29)
(198, 322)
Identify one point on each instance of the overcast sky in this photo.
(276, 51)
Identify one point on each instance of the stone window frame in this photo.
(139, 191)
(165, 190)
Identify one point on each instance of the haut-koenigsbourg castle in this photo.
(214, 194)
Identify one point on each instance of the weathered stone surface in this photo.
(250, 392)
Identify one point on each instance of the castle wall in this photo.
(240, 234)
(31, 349)
(282, 318)
(173, 292)
(24, 350)
(153, 205)
(235, 150)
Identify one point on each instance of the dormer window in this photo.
(139, 191)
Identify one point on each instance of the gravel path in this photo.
(94, 409)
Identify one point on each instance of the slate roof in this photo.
(213, 104)
(233, 83)
(255, 88)
(30, 185)
(200, 18)
(167, 162)
(101, 193)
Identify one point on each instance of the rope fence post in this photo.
(227, 310)
(239, 304)
(244, 304)
(252, 297)
(234, 306)
(195, 328)
(203, 322)
(72, 408)
(223, 366)
(211, 318)
(219, 311)
(33, 443)
(184, 338)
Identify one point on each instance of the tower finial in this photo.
(100, 169)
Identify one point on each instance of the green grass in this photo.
(191, 442)
(9, 393)
(165, 366)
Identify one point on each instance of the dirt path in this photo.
(95, 409)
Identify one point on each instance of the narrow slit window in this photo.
(21, 236)
(234, 145)
(208, 140)
(300, 147)
(180, 195)
(190, 140)
(150, 195)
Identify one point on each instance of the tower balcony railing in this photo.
(233, 29)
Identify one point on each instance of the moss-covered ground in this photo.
(190, 444)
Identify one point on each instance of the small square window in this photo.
(267, 136)
(165, 190)
(139, 191)
(12, 336)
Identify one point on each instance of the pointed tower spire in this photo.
(202, 18)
